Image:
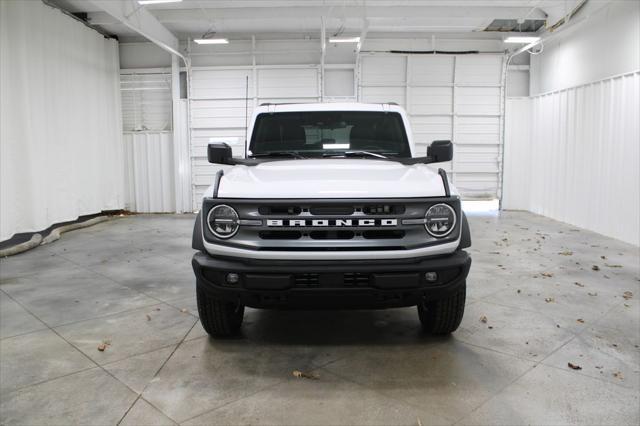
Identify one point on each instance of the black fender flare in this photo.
(465, 238)
(196, 239)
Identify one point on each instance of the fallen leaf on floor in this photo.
(547, 274)
(592, 294)
(566, 253)
(148, 317)
(302, 375)
(549, 299)
(608, 265)
(627, 295)
(574, 366)
(618, 375)
(578, 284)
(483, 319)
(595, 267)
(104, 345)
(580, 320)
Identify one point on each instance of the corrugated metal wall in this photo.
(146, 100)
(583, 158)
(456, 97)
(218, 107)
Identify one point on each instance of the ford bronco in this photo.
(330, 208)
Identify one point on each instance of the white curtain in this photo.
(60, 117)
(580, 162)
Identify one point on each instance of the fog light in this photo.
(232, 278)
(431, 277)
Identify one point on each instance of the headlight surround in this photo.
(440, 220)
(223, 221)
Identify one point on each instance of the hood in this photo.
(331, 178)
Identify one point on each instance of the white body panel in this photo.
(330, 178)
(344, 178)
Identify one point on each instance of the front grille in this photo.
(332, 225)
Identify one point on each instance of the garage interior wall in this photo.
(61, 140)
(448, 96)
(572, 149)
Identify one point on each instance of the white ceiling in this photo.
(238, 19)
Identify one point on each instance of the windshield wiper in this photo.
(356, 154)
(277, 154)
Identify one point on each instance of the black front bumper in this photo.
(357, 284)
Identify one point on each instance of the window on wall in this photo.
(146, 101)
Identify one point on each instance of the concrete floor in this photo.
(128, 283)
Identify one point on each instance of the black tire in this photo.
(219, 318)
(443, 316)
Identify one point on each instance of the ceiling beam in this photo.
(140, 20)
(398, 12)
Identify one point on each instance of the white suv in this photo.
(331, 208)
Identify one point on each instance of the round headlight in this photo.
(440, 220)
(223, 221)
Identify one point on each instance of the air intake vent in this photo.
(356, 279)
(280, 210)
(280, 235)
(332, 210)
(383, 209)
(306, 280)
(331, 235)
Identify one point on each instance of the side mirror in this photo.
(219, 153)
(440, 151)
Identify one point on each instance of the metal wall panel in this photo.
(146, 100)
(149, 165)
(456, 97)
(218, 108)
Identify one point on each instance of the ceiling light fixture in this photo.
(344, 40)
(143, 2)
(211, 40)
(517, 39)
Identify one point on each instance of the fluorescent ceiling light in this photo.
(211, 40)
(143, 2)
(515, 39)
(344, 40)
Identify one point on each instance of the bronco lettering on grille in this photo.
(331, 222)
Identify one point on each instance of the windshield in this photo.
(327, 133)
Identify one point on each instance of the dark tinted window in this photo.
(316, 133)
